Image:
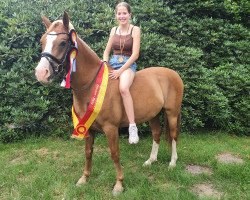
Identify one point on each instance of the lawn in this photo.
(49, 168)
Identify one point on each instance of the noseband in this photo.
(57, 64)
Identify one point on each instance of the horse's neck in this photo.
(87, 66)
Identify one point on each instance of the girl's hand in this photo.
(115, 74)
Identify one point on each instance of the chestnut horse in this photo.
(154, 89)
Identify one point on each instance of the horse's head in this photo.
(56, 44)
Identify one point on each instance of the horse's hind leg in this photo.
(88, 156)
(173, 125)
(155, 126)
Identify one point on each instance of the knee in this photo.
(115, 157)
(124, 91)
(88, 154)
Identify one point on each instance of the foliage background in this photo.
(206, 41)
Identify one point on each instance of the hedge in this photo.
(207, 42)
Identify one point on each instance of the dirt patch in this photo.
(229, 158)
(42, 152)
(206, 190)
(56, 154)
(167, 185)
(196, 169)
(18, 160)
(45, 152)
(151, 177)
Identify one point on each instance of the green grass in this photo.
(49, 169)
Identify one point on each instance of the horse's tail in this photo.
(178, 124)
(166, 128)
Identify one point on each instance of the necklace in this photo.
(121, 59)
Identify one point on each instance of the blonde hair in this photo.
(125, 4)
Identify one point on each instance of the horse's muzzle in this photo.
(44, 72)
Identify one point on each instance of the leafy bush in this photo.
(235, 85)
(206, 42)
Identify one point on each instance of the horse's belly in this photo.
(151, 91)
(148, 98)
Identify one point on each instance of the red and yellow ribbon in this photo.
(72, 66)
(81, 126)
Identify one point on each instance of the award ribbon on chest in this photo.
(81, 126)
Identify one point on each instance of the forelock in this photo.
(60, 21)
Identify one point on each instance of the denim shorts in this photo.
(115, 64)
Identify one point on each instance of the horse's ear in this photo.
(46, 22)
(66, 19)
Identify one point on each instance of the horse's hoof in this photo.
(81, 181)
(116, 192)
(147, 163)
(172, 165)
(118, 189)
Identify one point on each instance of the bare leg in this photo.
(126, 80)
(88, 159)
(156, 132)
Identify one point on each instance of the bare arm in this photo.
(108, 48)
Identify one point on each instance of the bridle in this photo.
(57, 64)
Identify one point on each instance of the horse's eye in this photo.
(63, 44)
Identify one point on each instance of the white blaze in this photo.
(42, 69)
(49, 42)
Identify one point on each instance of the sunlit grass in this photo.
(49, 169)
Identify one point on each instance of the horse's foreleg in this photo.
(89, 141)
(156, 132)
(113, 140)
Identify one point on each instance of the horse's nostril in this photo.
(41, 73)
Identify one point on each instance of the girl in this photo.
(124, 41)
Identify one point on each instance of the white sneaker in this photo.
(133, 134)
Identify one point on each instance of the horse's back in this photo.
(157, 80)
(159, 73)
(155, 88)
